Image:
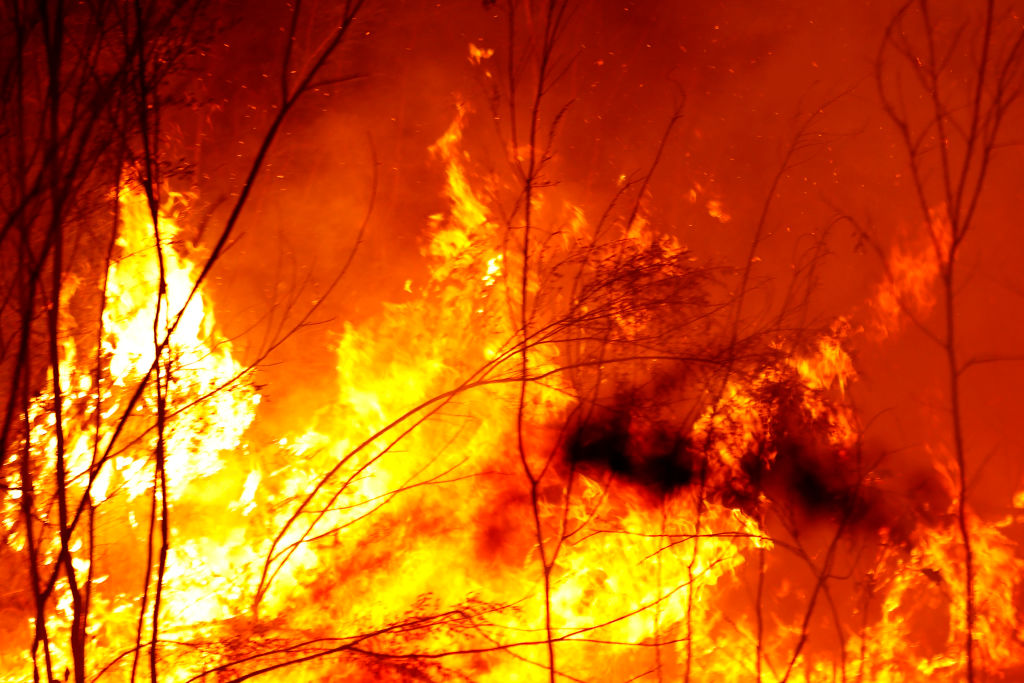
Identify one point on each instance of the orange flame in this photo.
(396, 525)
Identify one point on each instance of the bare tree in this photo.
(951, 86)
(85, 92)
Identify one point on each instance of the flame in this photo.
(912, 273)
(209, 407)
(393, 535)
(479, 54)
(715, 210)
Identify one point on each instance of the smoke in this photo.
(747, 80)
(782, 153)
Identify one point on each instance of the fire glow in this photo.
(566, 446)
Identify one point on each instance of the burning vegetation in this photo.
(522, 390)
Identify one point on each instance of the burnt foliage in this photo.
(792, 464)
(653, 457)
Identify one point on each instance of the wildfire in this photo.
(623, 484)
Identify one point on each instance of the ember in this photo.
(512, 341)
